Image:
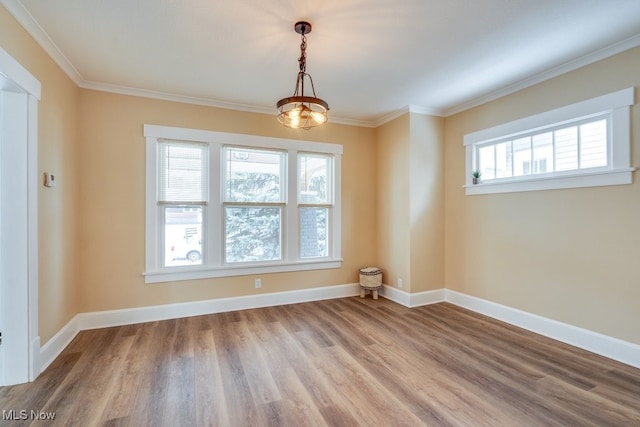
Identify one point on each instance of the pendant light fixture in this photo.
(301, 111)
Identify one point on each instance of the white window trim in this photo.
(156, 273)
(618, 172)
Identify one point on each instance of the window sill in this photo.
(204, 272)
(596, 179)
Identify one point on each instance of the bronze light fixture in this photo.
(300, 111)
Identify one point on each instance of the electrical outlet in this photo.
(258, 283)
(399, 282)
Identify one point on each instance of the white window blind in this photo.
(183, 173)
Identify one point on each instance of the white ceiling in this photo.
(369, 59)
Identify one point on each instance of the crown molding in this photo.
(437, 112)
(28, 22)
(164, 96)
(408, 109)
(583, 61)
(391, 116)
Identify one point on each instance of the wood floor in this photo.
(337, 362)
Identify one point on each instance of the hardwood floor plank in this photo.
(580, 402)
(350, 361)
(73, 400)
(241, 407)
(256, 369)
(151, 394)
(361, 390)
(211, 403)
(276, 342)
(129, 375)
(32, 396)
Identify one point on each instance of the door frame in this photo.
(25, 355)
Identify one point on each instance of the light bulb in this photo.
(294, 116)
(317, 117)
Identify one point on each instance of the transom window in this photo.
(581, 145)
(227, 204)
(584, 144)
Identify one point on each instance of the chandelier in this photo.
(301, 111)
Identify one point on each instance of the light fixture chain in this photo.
(303, 54)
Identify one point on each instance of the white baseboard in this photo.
(604, 345)
(128, 316)
(413, 300)
(52, 348)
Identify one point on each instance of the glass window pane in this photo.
(543, 153)
(566, 150)
(182, 235)
(253, 175)
(314, 172)
(252, 234)
(503, 159)
(522, 156)
(487, 161)
(182, 172)
(313, 232)
(593, 144)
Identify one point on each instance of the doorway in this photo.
(20, 345)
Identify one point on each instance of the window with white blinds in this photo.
(183, 172)
(580, 145)
(220, 204)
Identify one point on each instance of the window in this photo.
(254, 197)
(182, 199)
(314, 196)
(227, 204)
(581, 145)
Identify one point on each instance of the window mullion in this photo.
(212, 227)
(495, 161)
(513, 158)
(291, 222)
(335, 225)
(553, 147)
(579, 143)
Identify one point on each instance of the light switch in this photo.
(49, 179)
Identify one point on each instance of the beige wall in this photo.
(410, 183)
(112, 201)
(392, 183)
(569, 255)
(57, 147)
(426, 202)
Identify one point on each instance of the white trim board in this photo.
(411, 300)
(603, 345)
(129, 316)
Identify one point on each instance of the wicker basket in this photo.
(371, 278)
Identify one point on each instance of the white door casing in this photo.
(20, 349)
